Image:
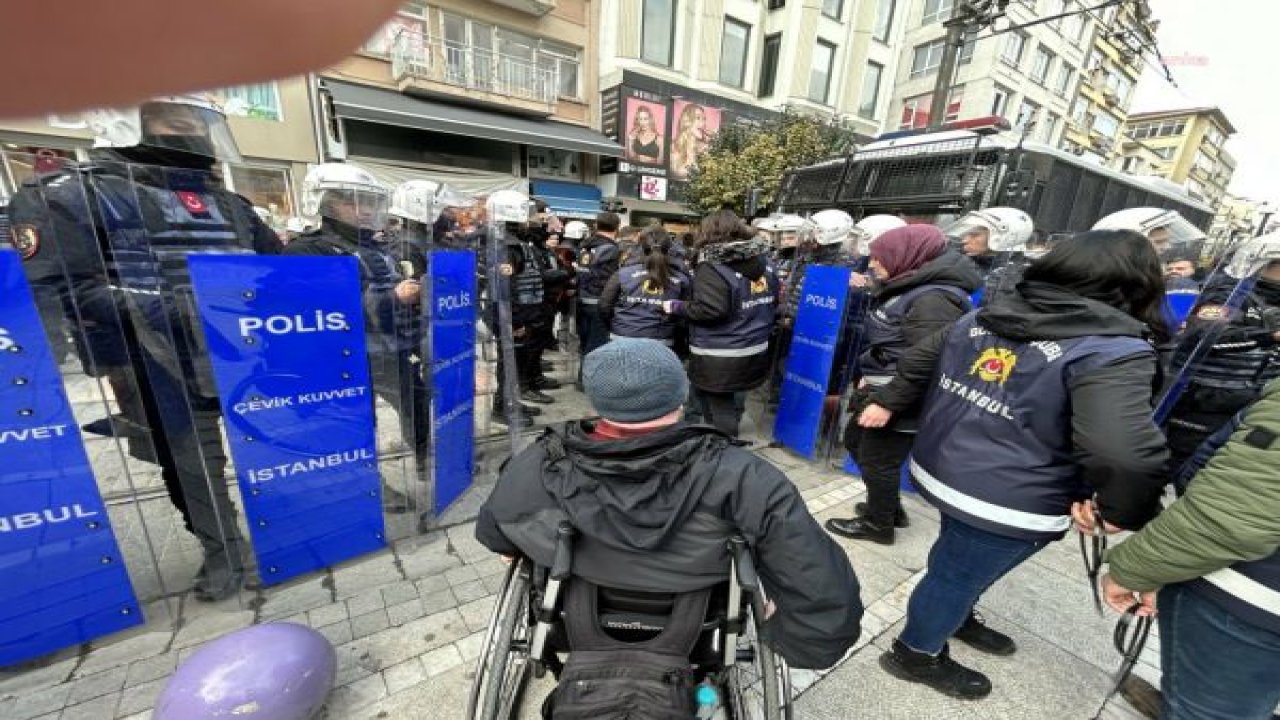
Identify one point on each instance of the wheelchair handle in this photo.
(562, 563)
(747, 577)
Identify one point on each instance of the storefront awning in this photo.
(370, 104)
(568, 200)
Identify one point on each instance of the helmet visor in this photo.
(364, 209)
(188, 128)
(972, 233)
(1167, 234)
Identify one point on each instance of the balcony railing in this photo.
(416, 56)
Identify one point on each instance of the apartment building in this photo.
(674, 71)
(1109, 74)
(1237, 218)
(1029, 75)
(272, 123)
(481, 95)
(1190, 142)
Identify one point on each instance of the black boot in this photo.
(536, 396)
(900, 519)
(975, 633)
(222, 573)
(860, 528)
(939, 672)
(542, 382)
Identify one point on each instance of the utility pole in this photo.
(967, 16)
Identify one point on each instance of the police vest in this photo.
(390, 326)
(986, 388)
(884, 338)
(592, 274)
(528, 287)
(638, 313)
(1243, 368)
(746, 333)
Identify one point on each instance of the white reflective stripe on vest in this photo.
(1247, 589)
(668, 343)
(731, 352)
(988, 511)
(589, 301)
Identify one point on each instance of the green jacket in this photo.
(1229, 514)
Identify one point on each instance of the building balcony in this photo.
(537, 8)
(426, 65)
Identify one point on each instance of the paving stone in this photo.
(337, 633)
(37, 678)
(40, 702)
(465, 545)
(471, 646)
(427, 561)
(406, 611)
(140, 697)
(91, 686)
(396, 645)
(401, 592)
(369, 623)
(442, 660)
(151, 668)
(476, 613)
(345, 700)
(439, 602)
(95, 709)
(144, 715)
(432, 584)
(123, 652)
(206, 627)
(327, 614)
(293, 599)
(365, 603)
(468, 591)
(461, 575)
(405, 675)
(368, 573)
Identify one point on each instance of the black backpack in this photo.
(609, 679)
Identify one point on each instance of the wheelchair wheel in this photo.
(502, 669)
(758, 686)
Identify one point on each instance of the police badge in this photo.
(26, 240)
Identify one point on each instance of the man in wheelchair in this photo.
(652, 501)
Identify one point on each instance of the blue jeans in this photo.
(963, 563)
(1216, 666)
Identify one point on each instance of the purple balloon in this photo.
(276, 671)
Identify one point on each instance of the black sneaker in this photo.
(547, 365)
(900, 519)
(530, 411)
(536, 396)
(860, 529)
(978, 636)
(939, 672)
(545, 383)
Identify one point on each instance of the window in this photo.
(1013, 47)
(1167, 152)
(1000, 101)
(564, 60)
(733, 52)
(261, 101)
(412, 17)
(870, 100)
(928, 57)
(1066, 74)
(265, 187)
(777, 4)
(1057, 7)
(884, 20)
(769, 64)
(915, 111)
(657, 32)
(936, 11)
(1027, 116)
(1079, 112)
(1050, 127)
(1073, 26)
(1118, 85)
(824, 56)
(477, 54)
(1107, 124)
(1041, 64)
(832, 8)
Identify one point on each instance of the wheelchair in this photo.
(525, 637)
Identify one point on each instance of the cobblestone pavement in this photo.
(408, 623)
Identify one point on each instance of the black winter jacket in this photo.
(1119, 450)
(653, 514)
(712, 304)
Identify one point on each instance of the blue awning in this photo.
(569, 200)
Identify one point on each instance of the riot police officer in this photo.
(1168, 231)
(350, 210)
(597, 262)
(148, 200)
(995, 239)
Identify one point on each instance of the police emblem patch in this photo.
(759, 286)
(994, 365)
(26, 240)
(1211, 312)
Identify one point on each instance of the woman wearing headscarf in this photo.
(1038, 410)
(921, 286)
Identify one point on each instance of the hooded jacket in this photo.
(1118, 451)
(653, 513)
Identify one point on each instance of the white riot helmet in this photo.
(1008, 229)
(509, 206)
(346, 194)
(416, 200)
(828, 227)
(868, 229)
(576, 230)
(1164, 228)
(191, 124)
(297, 225)
(1254, 254)
(788, 228)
